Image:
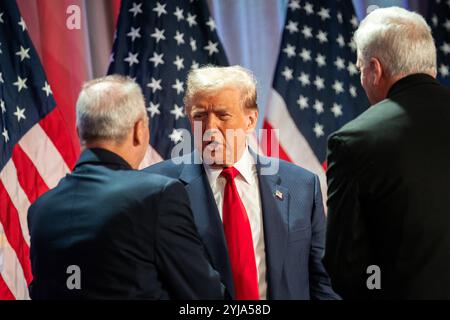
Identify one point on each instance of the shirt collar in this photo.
(245, 165)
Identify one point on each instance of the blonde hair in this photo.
(213, 78)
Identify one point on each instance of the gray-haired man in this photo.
(388, 232)
(108, 231)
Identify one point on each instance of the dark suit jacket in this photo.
(294, 227)
(131, 234)
(389, 195)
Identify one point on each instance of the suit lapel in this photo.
(207, 220)
(210, 227)
(274, 200)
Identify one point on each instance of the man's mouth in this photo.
(212, 144)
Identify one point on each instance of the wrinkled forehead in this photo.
(223, 97)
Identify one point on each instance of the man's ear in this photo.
(377, 71)
(187, 111)
(252, 119)
(139, 132)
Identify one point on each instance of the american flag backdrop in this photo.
(439, 20)
(31, 158)
(157, 43)
(316, 86)
(316, 90)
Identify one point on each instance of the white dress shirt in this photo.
(248, 188)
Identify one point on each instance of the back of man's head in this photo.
(111, 114)
(400, 39)
(108, 107)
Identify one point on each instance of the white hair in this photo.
(108, 107)
(213, 78)
(399, 38)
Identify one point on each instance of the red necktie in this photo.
(238, 235)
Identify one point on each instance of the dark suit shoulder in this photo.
(412, 109)
(368, 121)
(137, 184)
(152, 179)
(112, 184)
(376, 131)
(169, 168)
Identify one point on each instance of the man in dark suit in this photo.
(260, 219)
(108, 231)
(388, 234)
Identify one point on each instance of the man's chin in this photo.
(212, 161)
(217, 166)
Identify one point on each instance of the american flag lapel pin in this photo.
(279, 194)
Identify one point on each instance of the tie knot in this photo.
(229, 173)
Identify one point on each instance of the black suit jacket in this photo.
(131, 234)
(389, 195)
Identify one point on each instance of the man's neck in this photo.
(119, 149)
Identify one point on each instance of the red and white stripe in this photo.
(293, 147)
(49, 150)
(36, 165)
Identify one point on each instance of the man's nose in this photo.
(210, 122)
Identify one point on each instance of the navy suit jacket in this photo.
(294, 226)
(131, 234)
